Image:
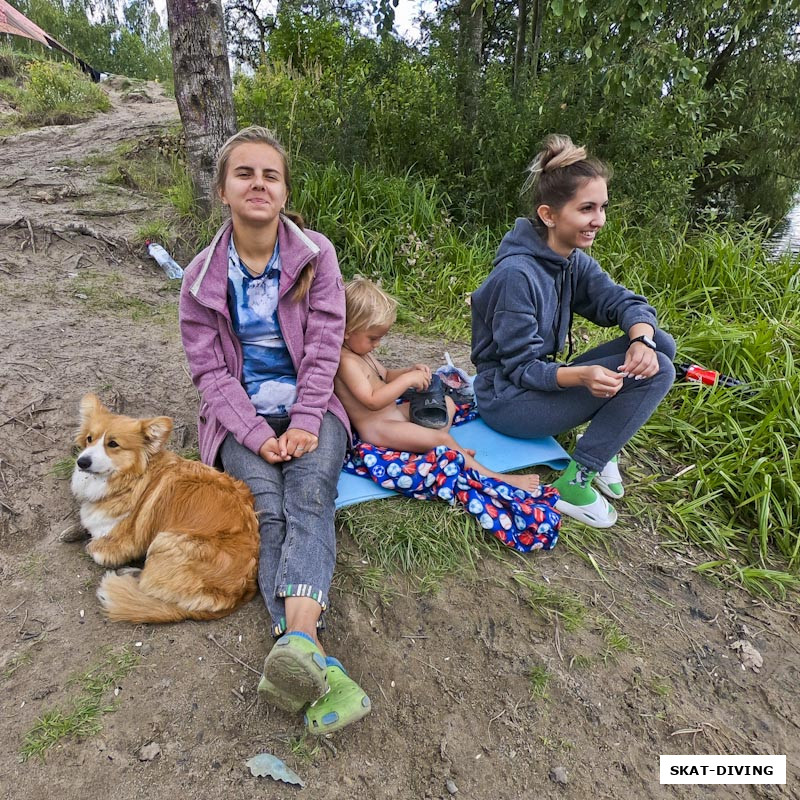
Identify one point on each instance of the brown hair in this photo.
(367, 305)
(259, 134)
(557, 172)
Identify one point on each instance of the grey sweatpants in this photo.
(531, 414)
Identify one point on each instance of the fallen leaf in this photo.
(751, 658)
(150, 751)
(267, 765)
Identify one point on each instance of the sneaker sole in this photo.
(293, 679)
(589, 515)
(605, 487)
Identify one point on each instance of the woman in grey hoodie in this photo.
(522, 319)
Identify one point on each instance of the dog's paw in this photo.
(98, 552)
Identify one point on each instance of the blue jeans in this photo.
(295, 506)
(530, 414)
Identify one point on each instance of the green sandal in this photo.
(294, 673)
(345, 703)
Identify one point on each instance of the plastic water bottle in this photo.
(167, 262)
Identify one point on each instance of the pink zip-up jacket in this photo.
(313, 329)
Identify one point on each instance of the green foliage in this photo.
(396, 230)
(720, 466)
(11, 62)
(539, 680)
(56, 94)
(125, 39)
(63, 468)
(693, 105)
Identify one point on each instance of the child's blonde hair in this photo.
(368, 306)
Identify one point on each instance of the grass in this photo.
(549, 602)
(56, 93)
(15, 663)
(615, 641)
(101, 293)
(660, 686)
(304, 748)
(63, 468)
(538, 681)
(395, 229)
(735, 309)
(731, 307)
(398, 535)
(83, 716)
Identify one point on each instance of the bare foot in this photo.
(528, 483)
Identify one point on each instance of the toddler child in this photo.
(369, 391)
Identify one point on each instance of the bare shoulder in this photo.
(350, 360)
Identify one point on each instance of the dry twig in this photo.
(237, 660)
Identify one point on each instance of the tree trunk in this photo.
(519, 50)
(470, 47)
(536, 37)
(203, 87)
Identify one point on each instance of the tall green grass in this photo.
(722, 465)
(396, 230)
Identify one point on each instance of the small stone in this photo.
(558, 775)
(451, 786)
(150, 751)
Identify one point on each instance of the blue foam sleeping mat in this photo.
(495, 450)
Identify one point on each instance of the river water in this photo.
(787, 235)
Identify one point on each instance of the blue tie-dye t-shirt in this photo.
(268, 374)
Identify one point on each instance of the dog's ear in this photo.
(90, 404)
(156, 433)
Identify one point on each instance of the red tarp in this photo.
(17, 24)
(12, 21)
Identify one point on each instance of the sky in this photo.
(403, 22)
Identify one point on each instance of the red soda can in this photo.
(710, 377)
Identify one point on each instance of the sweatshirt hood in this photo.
(523, 239)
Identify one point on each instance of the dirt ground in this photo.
(650, 671)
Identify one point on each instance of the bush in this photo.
(57, 93)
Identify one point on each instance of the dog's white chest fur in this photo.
(96, 521)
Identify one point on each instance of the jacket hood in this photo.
(523, 239)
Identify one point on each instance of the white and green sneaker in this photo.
(579, 500)
(609, 479)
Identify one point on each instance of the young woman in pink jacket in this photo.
(262, 320)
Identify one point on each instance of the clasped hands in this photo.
(641, 362)
(294, 443)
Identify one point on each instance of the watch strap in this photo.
(645, 340)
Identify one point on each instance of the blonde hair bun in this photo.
(558, 151)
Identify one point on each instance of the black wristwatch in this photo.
(645, 340)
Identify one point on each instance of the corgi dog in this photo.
(194, 526)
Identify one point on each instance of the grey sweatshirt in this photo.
(521, 313)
